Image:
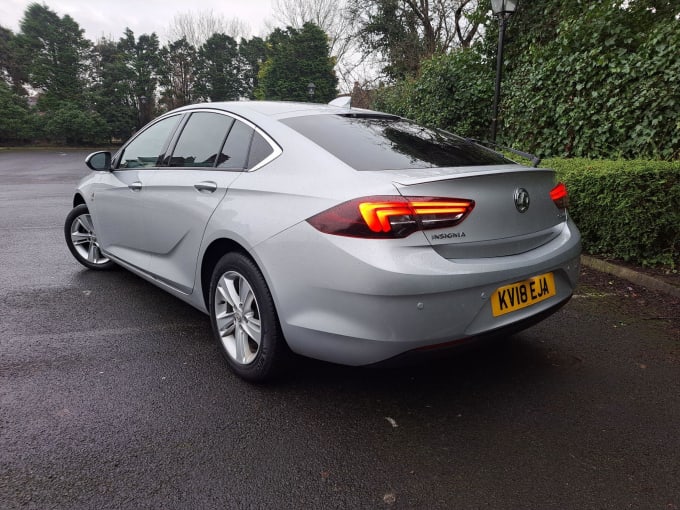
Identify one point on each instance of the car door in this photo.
(210, 153)
(120, 209)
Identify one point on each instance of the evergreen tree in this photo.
(12, 66)
(252, 53)
(178, 74)
(113, 89)
(16, 120)
(56, 52)
(142, 56)
(219, 73)
(296, 58)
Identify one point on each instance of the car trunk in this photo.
(495, 227)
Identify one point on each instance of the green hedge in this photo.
(627, 210)
(607, 86)
(452, 92)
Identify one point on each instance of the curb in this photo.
(632, 276)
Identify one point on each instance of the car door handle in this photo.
(206, 186)
(136, 186)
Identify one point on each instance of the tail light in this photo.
(560, 196)
(389, 217)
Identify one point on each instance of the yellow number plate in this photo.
(522, 294)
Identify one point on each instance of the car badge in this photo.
(522, 200)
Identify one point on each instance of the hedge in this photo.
(607, 86)
(626, 210)
(452, 92)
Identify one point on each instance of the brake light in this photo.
(391, 216)
(378, 215)
(560, 196)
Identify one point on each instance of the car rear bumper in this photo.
(439, 351)
(359, 302)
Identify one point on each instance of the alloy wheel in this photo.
(237, 315)
(85, 242)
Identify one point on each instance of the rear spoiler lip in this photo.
(535, 160)
(425, 175)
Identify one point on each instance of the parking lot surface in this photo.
(113, 395)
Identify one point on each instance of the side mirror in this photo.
(99, 161)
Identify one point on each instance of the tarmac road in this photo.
(113, 395)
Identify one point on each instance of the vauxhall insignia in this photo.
(522, 199)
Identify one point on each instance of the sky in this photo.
(109, 18)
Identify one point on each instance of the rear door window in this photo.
(200, 141)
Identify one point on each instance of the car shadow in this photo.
(521, 360)
(514, 359)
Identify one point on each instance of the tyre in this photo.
(82, 240)
(244, 319)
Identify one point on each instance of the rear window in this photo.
(390, 143)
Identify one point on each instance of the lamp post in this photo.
(503, 9)
(310, 91)
(142, 108)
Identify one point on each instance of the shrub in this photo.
(70, 123)
(15, 117)
(453, 92)
(607, 86)
(627, 210)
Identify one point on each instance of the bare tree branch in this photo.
(333, 17)
(197, 27)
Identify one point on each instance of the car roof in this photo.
(276, 109)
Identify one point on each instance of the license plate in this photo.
(522, 294)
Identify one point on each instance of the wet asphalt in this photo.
(113, 395)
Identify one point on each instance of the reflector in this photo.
(560, 196)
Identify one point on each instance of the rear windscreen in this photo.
(390, 143)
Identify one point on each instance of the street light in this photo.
(310, 90)
(503, 9)
(142, 107)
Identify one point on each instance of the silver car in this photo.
(341, 234)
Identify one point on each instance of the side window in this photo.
(259, 150)
(145, 150)
(201, 139)
(235, 151)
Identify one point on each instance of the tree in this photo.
(12, 66)
(57, 53)
(198, 28)
(296, 58)
(219, 70)
(142, 57)
(253, 54)
(67, 122)
(113, 88)
(332, 16)
(405, 32)
(178, 74)
(16, 119)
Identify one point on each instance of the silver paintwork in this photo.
(341, 299)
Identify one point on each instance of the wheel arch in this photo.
(78, 200)
(211, 257)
